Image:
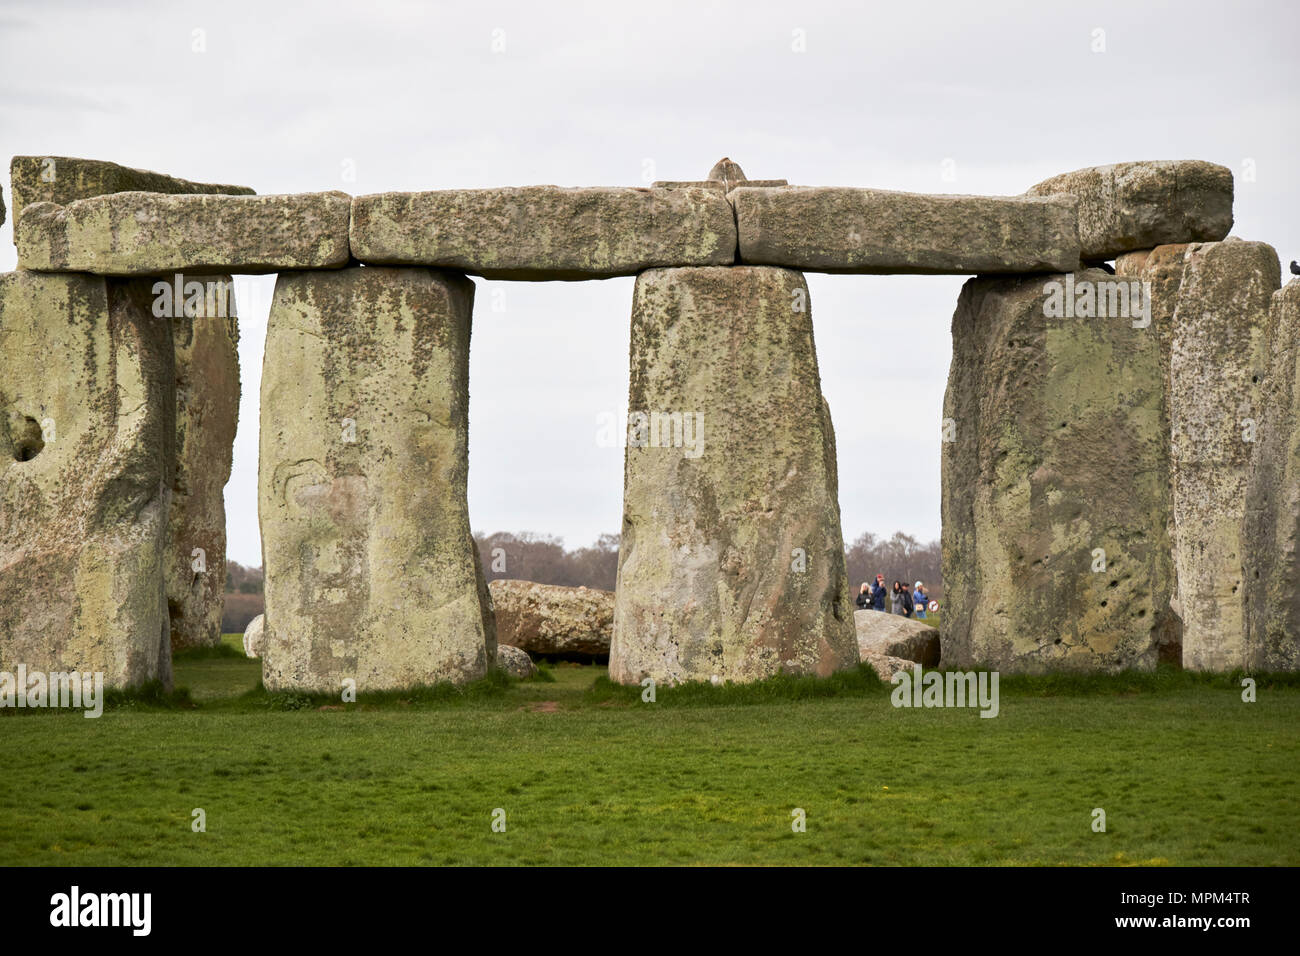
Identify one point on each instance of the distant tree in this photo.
(543, 558)
(900, 557)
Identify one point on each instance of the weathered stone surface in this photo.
(553, 620)
(1058, 447)
(207, 411)
(1216, 373)
(1131, 206)
(885, 665)
(87, 421)
(728, 173)
(371, 571)
(1272, 524)
(254, 636)
(65, 179)
(841, 229)
(515, 662)
(1161, 270)
(545, 232)
(897, 636)
(138, 233)
(716, 185)
(731, 565)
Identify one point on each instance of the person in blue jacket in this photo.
(920, 599)
(878, 593)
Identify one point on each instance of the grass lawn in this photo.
(588, 774)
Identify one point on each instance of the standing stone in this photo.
(1272, 531)
(87, 422)
(1161, 272)
(1054, 461)
(206, 334)
(1131, 206)
(371, 570)
(731, 565)
(1216, 370)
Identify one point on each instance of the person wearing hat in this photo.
(920, 599)
(878, 593)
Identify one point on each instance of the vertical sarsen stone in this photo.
(87, 425)
(1216, 375)
(731, 564)
(371, 571)
(1057, 463)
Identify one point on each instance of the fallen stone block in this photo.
(65, 179)
(87, 423)
(1217, 369)
(731, 561)
(897, 636)
(254, 635)
(547, 619)
(545, 232)
(515, 662)
(1131, 206)
(1055, 481)
(885, 665)
(1272, 524)
(371, 571)
(874, 231)
(137, 233)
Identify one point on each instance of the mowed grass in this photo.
(586, 773)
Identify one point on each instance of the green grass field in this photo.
(587, 773)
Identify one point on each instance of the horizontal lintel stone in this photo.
(139, 233)
(65, 179)
(1131, 206)
(873, 231)
(545, 232)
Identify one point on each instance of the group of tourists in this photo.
(909, 602)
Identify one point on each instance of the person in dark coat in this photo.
(863, 600)
(902, 599)
(878, 593)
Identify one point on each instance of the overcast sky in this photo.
(984, 98)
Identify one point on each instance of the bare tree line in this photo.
(899, 558)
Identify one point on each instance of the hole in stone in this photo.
(1254, 378)
(1114, 584)
(28, 442)
(1057, 641)
(1142, 612)
(1103, 603)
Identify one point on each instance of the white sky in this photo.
(412, 96)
